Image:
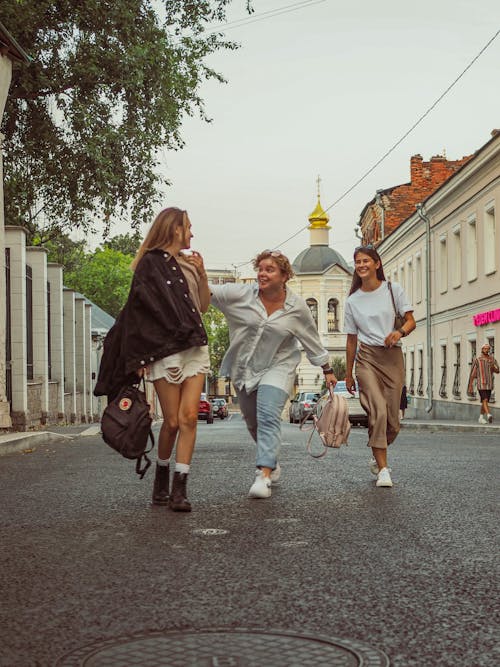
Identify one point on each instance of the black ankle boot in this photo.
(160, 487)
(178, 500)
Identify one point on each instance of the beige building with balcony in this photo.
(447, 257)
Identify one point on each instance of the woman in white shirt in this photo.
(266, 323)
(369, 321)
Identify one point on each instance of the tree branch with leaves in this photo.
(109, 86)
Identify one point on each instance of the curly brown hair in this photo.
(277, 256)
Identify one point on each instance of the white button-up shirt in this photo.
(265, 349)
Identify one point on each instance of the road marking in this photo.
(209, 531)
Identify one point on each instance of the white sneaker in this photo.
(482, 419)
(489, 417)
(373, 466)
(384, 478)
(275, 474)
(261, 488)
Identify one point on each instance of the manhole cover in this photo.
(226, 648)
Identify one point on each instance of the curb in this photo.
(457, 428)
(28, 442)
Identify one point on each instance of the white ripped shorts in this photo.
(177, 367)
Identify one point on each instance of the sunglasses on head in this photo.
(368, 246)
(274, 253)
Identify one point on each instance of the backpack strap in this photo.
(141, 471)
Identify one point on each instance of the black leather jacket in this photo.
(158, 319)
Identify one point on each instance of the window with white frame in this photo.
(418, 278)
(443, 264)
(489, 239)
(457, 258)
(444, 372)
(471, 249)
(409, 280)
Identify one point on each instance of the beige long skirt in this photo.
(380, 375)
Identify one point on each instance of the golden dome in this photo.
(319, 218)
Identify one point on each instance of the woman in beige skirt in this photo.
(374, 345)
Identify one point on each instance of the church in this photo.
(323, 279)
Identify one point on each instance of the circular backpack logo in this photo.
(125, 404)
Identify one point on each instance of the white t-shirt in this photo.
(370, 315)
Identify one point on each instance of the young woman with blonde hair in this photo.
(160, 334)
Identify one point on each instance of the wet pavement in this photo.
(93, 574)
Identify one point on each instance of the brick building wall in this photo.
(391, 206)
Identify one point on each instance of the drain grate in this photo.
(226, 648)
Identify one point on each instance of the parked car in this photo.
(302, 406)
(220, 407)
(357, 416)
(205, 410)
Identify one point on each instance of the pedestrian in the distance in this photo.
(482, 371)
(159, 333)
(266, 323)
(379, 369)
(403, 403)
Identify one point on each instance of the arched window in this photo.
(333, 320)
(313, 307)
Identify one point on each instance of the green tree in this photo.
(63, 250)
(338, 365)
(109, 85)
(128, 244)
(104, 277)
(218, 338)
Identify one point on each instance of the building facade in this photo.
(390, 206)
(323, 279)
(447, 257)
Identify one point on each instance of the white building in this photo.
(447, 257)
(323, 278)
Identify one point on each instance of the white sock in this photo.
(182, 467)
(163, 462)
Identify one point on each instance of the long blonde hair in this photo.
(161, 232)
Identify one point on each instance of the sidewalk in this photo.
(29, 441)
(449, 425)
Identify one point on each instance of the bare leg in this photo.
(169, 396)
(380, 456)
(188, 417)
(179, 404)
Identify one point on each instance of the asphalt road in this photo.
(411, 570)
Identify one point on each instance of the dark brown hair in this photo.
(371, 252)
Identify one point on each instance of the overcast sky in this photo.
(327, 89)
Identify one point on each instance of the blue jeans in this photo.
(261, 410)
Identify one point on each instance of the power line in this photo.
(262, 16)
(399, 141)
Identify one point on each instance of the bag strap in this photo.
(141, 471)
(389, 285)
(313, 428)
